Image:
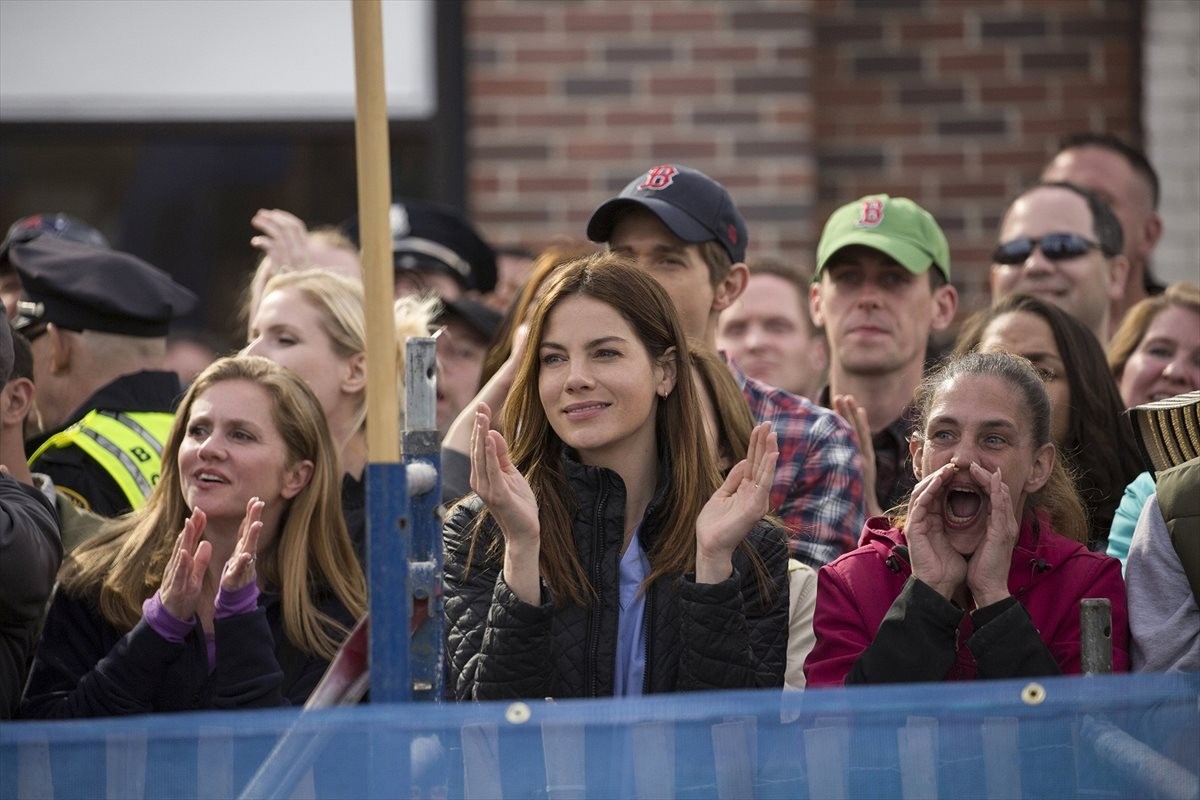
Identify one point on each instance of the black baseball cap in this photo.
(82, 287)
(692, 205)
(482, 319)
(431, 238)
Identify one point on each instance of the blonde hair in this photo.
(267, 269)
(340, 301)
(1136, 321)
(311, 556)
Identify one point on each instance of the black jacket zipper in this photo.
(591, 667)
(648, 638)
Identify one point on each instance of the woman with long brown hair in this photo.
(232, 587)
(603, 554)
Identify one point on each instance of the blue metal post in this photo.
(390, 596)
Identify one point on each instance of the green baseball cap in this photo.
(893, 225)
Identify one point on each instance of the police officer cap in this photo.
(81, 287)
(64, 226)
(430, 238)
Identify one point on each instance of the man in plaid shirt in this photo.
(683, 228)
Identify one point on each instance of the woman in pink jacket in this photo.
(982, 574)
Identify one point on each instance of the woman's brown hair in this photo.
(536, 450)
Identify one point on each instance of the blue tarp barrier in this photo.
(1097, 737)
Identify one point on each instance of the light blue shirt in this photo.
(630, 668)
(1126, 517)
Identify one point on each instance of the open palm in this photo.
(933, 559)
(499, 484)
(742, 499)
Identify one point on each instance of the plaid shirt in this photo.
(818, 489)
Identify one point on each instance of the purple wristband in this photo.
(163, 622)
(239, 601)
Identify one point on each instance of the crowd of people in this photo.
(666, 466)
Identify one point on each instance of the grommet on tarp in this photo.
(1033, 694)
(517, 713)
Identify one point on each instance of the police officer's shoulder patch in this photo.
(77, 500)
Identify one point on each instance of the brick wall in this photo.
(795, 105)
(569, 100)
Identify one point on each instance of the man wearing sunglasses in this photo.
(1062, 243)
(1126, 180)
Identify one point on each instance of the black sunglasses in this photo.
(1054, 246)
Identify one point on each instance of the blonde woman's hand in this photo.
(849, 409)
(239, 570)
(933, 559)
(183, 579)
(987, 571)
(738, 503)
(284, 238)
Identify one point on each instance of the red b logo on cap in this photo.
(659, 177)
(871, 214)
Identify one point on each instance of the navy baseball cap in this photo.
(64, 226)
(81, 287)
(692, 205)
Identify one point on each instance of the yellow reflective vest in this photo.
(126, 444)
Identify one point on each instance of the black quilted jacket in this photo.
(699, 637)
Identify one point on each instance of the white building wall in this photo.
(1171, 75)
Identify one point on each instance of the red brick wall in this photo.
(795, 105)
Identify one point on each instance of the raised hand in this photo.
(183, 579)
(849, 409)
(735, 506)
(934, 560)
(239, 570)
(498, 483)
(509, 498)
(284, 238)
(987, 571)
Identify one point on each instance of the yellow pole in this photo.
(374, 199)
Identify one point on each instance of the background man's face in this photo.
(460, 354)
(677, 265)
(877, 315)
(768, 334)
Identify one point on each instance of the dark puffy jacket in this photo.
(698, 637)
(87, 668)
(876, 623)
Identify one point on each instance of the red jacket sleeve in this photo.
(841, 631)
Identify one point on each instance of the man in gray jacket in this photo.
(30, 553)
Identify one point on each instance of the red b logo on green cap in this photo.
(871, 214)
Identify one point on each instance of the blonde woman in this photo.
(312, 322)
(232, 587)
